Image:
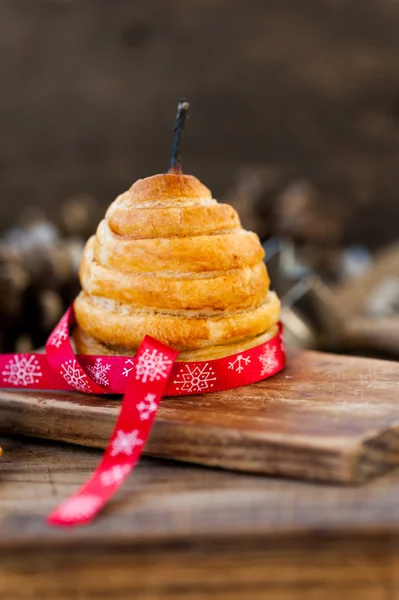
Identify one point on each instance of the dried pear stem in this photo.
(175, 161)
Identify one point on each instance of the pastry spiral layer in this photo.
(88, 345)
(170, 261)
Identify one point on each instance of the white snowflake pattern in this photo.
(74, 375)
(99, 371)
(22, 371)
(126, 369)
(147, 406)
(115, 475)
(268, 361)
(239, 363)
(80, 507)
(59, 335)
(195, 378)
(150, 366)
(125, 442)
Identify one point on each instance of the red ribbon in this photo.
(143, 380)
(127, 440)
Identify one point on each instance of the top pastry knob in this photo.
(169, 261)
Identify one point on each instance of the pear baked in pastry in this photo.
(170, 261)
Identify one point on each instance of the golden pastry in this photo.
(169, 261)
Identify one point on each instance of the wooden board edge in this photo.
(211, 446)
(379, 453)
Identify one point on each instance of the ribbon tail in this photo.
(145, 387)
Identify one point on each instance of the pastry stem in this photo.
(182, 110)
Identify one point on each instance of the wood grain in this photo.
(327, 417)
(177, 531)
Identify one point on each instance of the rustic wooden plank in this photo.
(281, 571)
(165, 501)
(325, 417)
(180, 531)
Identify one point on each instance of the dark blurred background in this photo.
(294, 119)
(309, 89)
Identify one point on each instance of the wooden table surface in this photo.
(178, 531)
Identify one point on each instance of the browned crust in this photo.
(85, 344)
(225, 290)
(179, 254)
(168, 186)
(116, 326)
(126, 220)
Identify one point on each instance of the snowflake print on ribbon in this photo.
(150, 366)
(99, 371)
(81, 507)
(126, 369)
(115, 475)
(75, 376)
(59, 335)
(147, 406)
(239, 363)
(195, 378)
(22, 371)
(268, 361)
(125, 443)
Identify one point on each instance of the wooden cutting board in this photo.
(327, 417)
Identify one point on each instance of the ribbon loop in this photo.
(62, 359)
